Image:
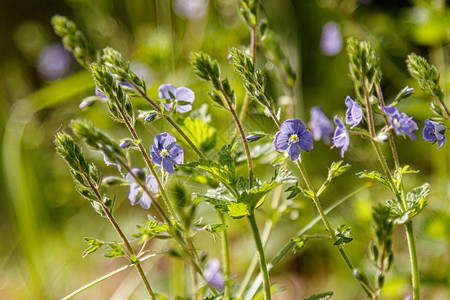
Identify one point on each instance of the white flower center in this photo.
(164, 152)
(293, 139)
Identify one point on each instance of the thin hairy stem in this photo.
(225, 258)
(413, 259)
(119, 231)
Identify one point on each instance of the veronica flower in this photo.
(400, 121)
(293, 137)
(181, 97)
(320, 125)
(213, 276)
(136, 194)
(354, 113)
(165, 152)
(434, 131)
(341, 139)
(331, 40)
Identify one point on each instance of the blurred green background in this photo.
(43, 220)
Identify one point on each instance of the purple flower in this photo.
(292, 137)
(54, 62)
(434, 131)
(341, 139)
(181, 97)
(213, 276)
(253, 138)
(331, 40)
(400, 121)
(136, 194)
(166, 152)
(108, 160)
(320, 125)
(354, 113)
(124, 144)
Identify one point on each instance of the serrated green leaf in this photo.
(337, 169)
(323, 296)
(404, 170)
(201, 133)
(416, 202)
(93, 244)
(115, 251)
(374, 175)
(220, 198)
(150, 229)
(237, 210)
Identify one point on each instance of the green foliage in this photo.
(115, 251)
(201, 133)
(300, 242)
(74, 40)
(323, 296)
(415, 200)
(93, 244)
(237, 210)
(343, 234)
(120, 68)
(427, 75)
(374, 175)
(337, 168)
(151, 229)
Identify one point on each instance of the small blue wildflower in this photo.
(108, 160)
(320, 125)
(434, 131)
(150, 117)
(136, 194)
(341, 139)
(293, 137)
(213, 276)
(400, 121)
(354, 113)
(166, 152)
(253, 137)
(181, 97)
(407, 92)
(331, 40)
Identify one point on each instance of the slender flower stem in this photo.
(414, 262)
(244, 140)
(225, 258)
(122, 236)
(443, 106)
(262, 258)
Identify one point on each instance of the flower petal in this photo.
(306, 141)
(183, 108)
(294, 151)
(164, 89)
(156, 156)
(164, 141)
(293, 126)
(133, 193)
(145, 201)
(281, 141)
(176, 154)
(184, 94)
(167, 165)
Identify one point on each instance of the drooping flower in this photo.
(293, 137)
(320, 125)
(400, 122)
(181, 97)
(434, 131)
(165, 152)
(354, 113)
(213, 275)
(108, 161)
(331, 40)
(124, 144)
(136, 194)
(341, 139)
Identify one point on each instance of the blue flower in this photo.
(434, 131)
(320, 125)
(292, 137)
(331, 40)
(108, 160)
(341, 139)
(213, 276)
(54, 62)
(354, 113)
(181, 97)
(166, 152)
(400, 121)
(136, 194)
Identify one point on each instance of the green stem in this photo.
(226, 258)
(262, 258)
(414, 262)
(122, 236)
(257, 282)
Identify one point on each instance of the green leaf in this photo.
(237, 210)
(337, 169)
(220, 198)
(201, 133)
(300, 243)
(151, 229)
(323, 296)
(404, 170)
(93, 244)
(416, 202)
(115, 251)
(374, 175)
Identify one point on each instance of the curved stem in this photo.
(262, 258)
